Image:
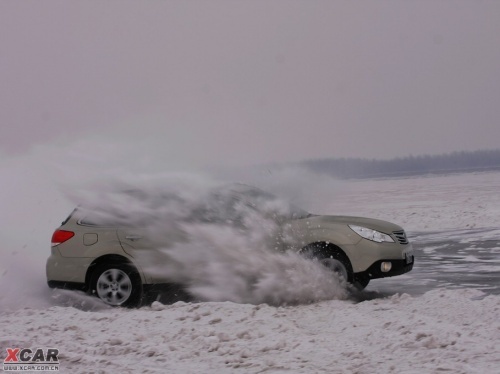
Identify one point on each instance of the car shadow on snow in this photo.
(170, 295)
(88, 303)
(367, 295)
(78, 300)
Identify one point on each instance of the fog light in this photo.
(385, 267)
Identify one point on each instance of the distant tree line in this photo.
(412, 165)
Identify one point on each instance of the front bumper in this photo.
(398, 267)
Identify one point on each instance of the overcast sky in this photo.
(243, 82)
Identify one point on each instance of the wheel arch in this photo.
(109, 258)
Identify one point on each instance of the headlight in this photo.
(370, 234)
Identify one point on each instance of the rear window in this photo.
(68, 218)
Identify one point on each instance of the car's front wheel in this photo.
(331, 257)
(336, 266)
(117, 284)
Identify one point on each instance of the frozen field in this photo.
(442, 317)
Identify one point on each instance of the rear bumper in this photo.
(398, 267)
(66, 269)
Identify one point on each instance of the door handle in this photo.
(133, 237)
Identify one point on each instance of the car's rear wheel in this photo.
(117, 284)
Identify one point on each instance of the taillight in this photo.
(60, 236)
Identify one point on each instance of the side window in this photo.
(98, 220)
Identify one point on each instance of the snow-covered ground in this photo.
(375, 331)
(441, 331)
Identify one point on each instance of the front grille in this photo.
(401, 237)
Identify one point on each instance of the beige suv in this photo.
(104, 257)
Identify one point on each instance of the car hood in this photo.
(371, 223)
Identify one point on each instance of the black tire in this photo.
(117, 284)
(332, 257)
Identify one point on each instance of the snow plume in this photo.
(220, 264)
(297, 184)
(22, 282)
(223, 241)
